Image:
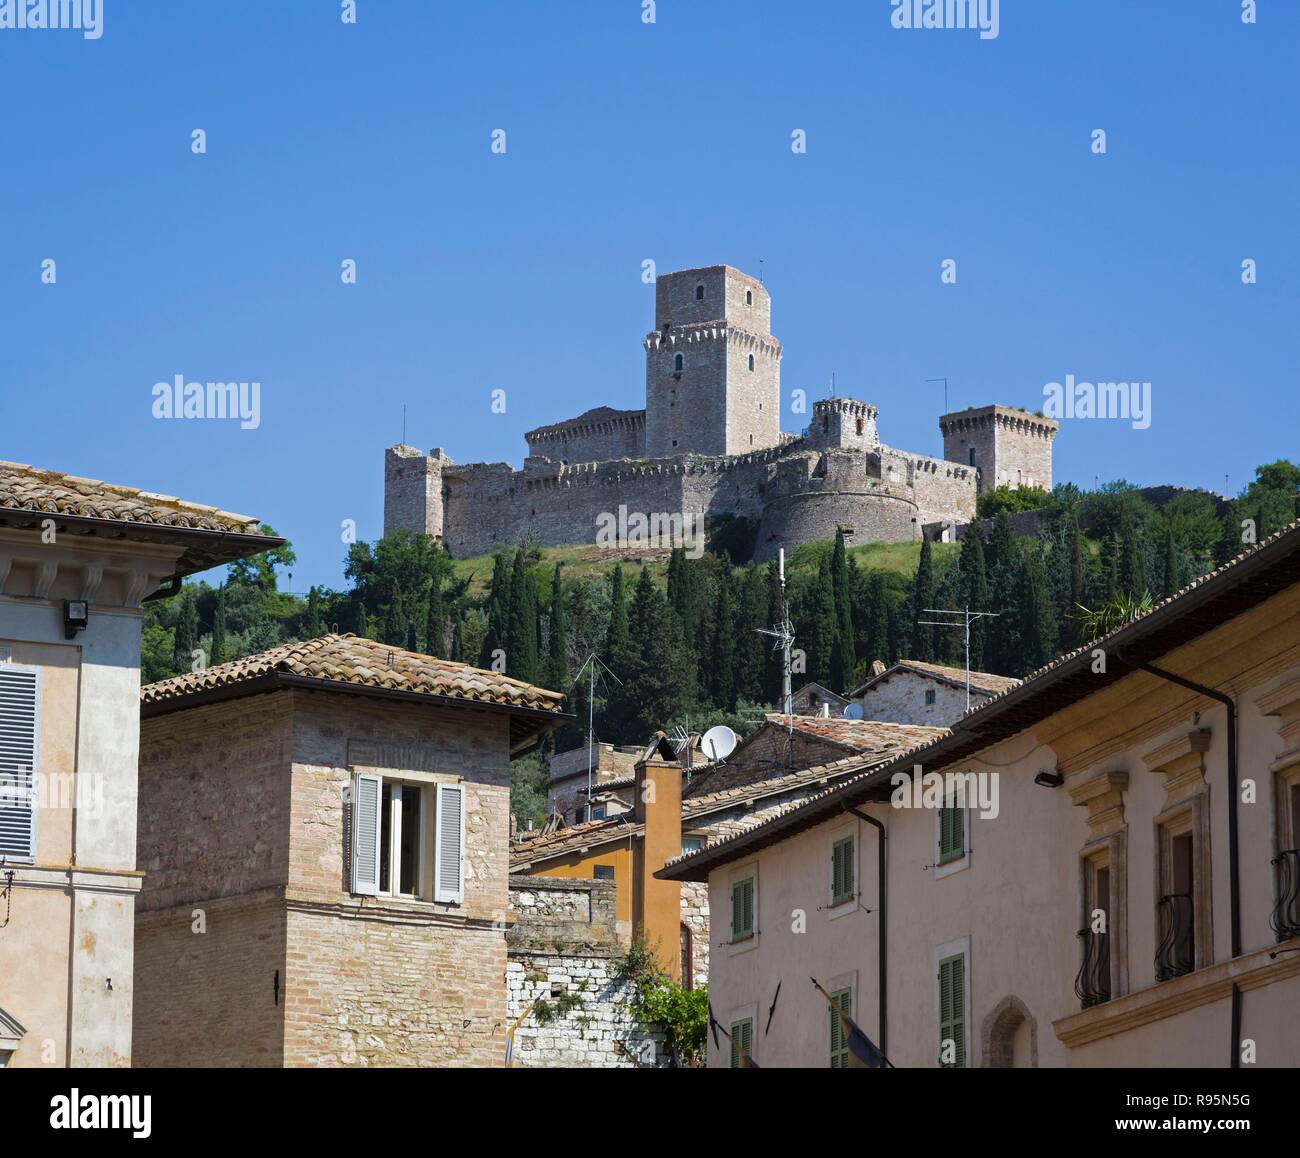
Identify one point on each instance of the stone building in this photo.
(814, 699)
(324, 829)
(709, 443)
(1118, 887)
(913, 692)
(78, 558)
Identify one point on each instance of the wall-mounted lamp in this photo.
(76, 614)
(1049, 779)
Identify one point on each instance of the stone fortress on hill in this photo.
(709, 440)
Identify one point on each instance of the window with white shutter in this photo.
(19, 724)
(449, 845)
(367, 794)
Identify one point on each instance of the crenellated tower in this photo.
(713, 368)
(1008, 447)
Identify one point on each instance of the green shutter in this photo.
(742, 1035)
(952, 1007)
(952, 833)
(742, 909)
(842, 882)
(843, 1000)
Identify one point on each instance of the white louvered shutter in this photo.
(367, 798)
(18, 732)
(449, 846)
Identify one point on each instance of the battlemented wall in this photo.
(709, 442)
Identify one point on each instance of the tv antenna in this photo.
(967, 617)
(945, 391)
(783, 633)
(592, 662)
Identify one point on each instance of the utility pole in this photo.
(967, 617)
(783, 633)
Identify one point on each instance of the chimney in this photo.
(878, 667)
(656, 904)
(826, 711)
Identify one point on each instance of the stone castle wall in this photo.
(604, 438)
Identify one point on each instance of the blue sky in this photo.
(629, 142)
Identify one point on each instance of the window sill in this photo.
(842, 908)
(743, 945)
(948, 867)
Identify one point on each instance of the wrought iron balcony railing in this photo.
(1176, 953)
(1286, 913)
(1092, 985)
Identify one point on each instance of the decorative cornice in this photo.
(1182, 763)
(1103, 796)
(1169, 998)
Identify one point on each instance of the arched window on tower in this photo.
(699, 293)
(751, 363)
(749, 297)
(679, 363)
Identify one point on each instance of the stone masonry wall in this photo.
(564, 951)
(901, 698)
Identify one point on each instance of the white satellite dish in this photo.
(718, 743)
(853, 712)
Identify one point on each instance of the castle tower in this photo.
(713, 368)
(839, 423)
(1008, 447)
(413, 490)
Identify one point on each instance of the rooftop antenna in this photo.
(593, 661)
(945, 391)
(967, 617)
(403, 422)
(832, 383)
(783, 633)
(760, 271)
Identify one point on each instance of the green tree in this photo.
(187, 631)
(498, 611)
(975, 590)
(923, 599)
(558, 666)
(435, 624)
(521, 637)
(260, 570)
(1038, 635)
(313, 624)
(843, 655)
(723, 682)
(219, 628)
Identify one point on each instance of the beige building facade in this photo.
(324, 830)
(78, 558)
(1120, 889)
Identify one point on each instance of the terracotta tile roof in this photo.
(29, 494)
(982, 680)
(541, 845)
(1207, 602)
(354, 661)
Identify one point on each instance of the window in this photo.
(742, 1039)
(972, 456)
(858, 424)
(699, 293)
(952, 831)
(952, 1012)
(1093, 984)
(692, 844)
(1176, 908)
(679, 363)
(751, 363)
(19, 731)
(1285, 920)
(929, 697)
(602, 872)
(749, 297)
(843, 884)
(407, 839)
(742, 909)
(842, 999)
(599, 813)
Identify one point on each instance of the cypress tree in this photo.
(1132, 578)
(436, 621)
(1036, 615)
(498, 609)
(187, 631)
(313, 622)
(724, 648)
(616, 635)
(843, 657)
(975, 590)
(521, 636)
(821, 625)
(751, 645)
(878, 615)
(1078, 582)
(775, 609)
(1171, 564)
(922, 598)
(558, 668)
(395, 622)
(219, 628)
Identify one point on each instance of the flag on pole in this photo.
(740, 1049)
(510, 1034)
(863, 1053)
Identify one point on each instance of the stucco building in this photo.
(1119, 886)
(324, 829)
(78, 558)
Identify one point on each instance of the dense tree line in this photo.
(691, 650)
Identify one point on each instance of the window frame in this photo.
(840, 996)
(747, 1045)
(952, 861)
(944, 955)
(433, 790)
(839, 899)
